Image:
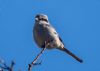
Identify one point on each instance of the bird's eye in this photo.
(44, 19)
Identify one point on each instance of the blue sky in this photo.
(76, 21)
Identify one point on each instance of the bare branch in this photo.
(12, 65)
(4, 66)
(34, 61)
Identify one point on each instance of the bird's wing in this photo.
(61, 40)
(54, 32)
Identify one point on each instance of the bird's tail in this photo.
(73, 55)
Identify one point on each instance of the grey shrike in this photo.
(43, 32)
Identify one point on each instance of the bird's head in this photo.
(41, 17)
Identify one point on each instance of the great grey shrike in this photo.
(43, 32)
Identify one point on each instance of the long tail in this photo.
(73, 55)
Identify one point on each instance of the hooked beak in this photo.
(36, 19)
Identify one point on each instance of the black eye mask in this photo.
(43, 19)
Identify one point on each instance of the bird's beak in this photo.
(36, 19)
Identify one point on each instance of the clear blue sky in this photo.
(77, 21)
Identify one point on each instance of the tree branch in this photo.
(4, 66)
(34, 61)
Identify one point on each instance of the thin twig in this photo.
(12, 65)
(33, 62)
(6, 67)
(38, 56)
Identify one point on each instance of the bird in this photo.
(44, 32)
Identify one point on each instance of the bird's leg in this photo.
(34, 61)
